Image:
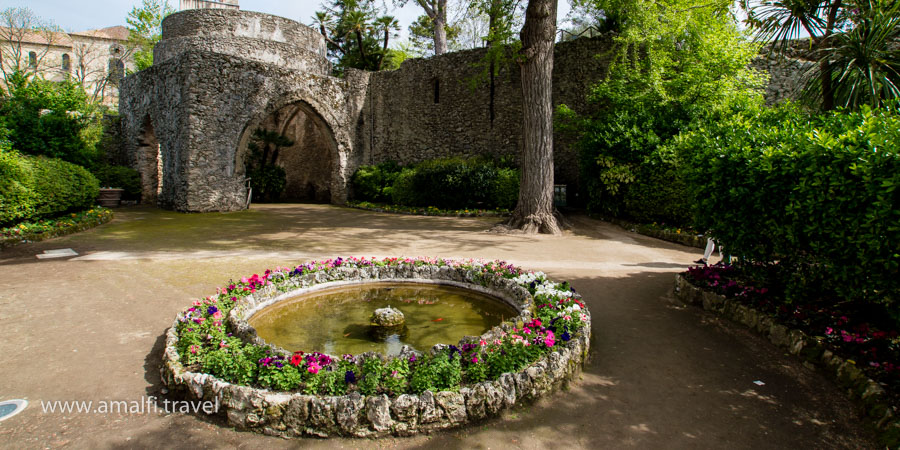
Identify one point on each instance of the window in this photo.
(66, 63)
(32, 59)
(437, 91)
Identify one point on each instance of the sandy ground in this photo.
(91, 328)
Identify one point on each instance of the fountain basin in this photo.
(385, 412)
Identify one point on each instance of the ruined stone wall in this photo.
(432, 108)
(220, 74)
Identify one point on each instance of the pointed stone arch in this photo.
(312, 164)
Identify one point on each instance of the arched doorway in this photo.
(149, 163)
(308, 159)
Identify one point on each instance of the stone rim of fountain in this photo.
(291, 414)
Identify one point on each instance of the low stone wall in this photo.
(868, 393)
(290, 414)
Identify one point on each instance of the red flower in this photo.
(297, 359)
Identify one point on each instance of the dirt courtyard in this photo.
(91, 327)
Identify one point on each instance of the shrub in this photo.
(120, 177)
(816, 194)
(455, 183)
(38, 187)
(374, 183)
(267, 182)
(506, 192)
(51, 119)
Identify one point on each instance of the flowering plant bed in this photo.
(214, 354)
(50, 228)
(857, 343)
(427, 211)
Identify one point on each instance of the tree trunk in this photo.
(440, 32)
(535, 213)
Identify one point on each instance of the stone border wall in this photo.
(290, 414)
(868, 393)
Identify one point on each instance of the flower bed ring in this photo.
(560, 355)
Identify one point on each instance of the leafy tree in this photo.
(421, 33)
(357, 33)
(145, 27)
(674, 63)
(51, 119)
(864, 62)
(436, 13)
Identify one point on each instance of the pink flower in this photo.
(482, 342)
(222, 344)
(828, 331)
(194, 349)
(549, 340)
(313, 368)
(217, 315)
(474, 359)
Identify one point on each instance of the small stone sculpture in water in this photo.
(388, 317)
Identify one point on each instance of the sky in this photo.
(81, 15)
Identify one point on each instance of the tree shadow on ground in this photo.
(659, 375)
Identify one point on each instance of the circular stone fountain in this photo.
(340, 320)
(508, 290)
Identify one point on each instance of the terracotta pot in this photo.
(110, 198)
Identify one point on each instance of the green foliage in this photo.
(864, 62)
(674, 63)
(448, 183)
(51, 119)
(441, 372)
(357, 33)
(120, 177)
(816, 194)
(506, 191)
(36, 187)
(421, 33)
(267, 179)
(451, 183)
(145, 29)
(235, 362)
(375, 183)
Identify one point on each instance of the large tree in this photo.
(436, 10)
(534, 212)
(145, 29)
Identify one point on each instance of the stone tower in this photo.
(209, 4)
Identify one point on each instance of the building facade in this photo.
(96, 59)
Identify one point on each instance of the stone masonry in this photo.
(218, 75)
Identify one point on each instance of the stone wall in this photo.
(432, 108)
(785, 77)
(220, 74)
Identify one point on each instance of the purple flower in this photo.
(212, 310)
(349, 377)
(412, 358)
(565, 336)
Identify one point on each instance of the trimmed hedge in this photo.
(120, 177)
(817, 194)
(446, 183)
(35, 187)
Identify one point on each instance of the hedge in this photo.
(816, 194)
(446, 183)
(36, 187)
